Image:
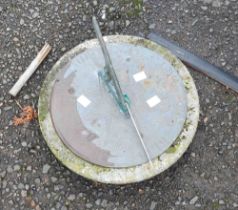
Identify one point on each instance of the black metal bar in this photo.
(198, 63)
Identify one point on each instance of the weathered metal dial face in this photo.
(89, 122)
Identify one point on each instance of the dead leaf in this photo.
(28, 114)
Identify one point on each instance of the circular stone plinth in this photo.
(124, 174)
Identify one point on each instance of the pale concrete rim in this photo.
(119, 175)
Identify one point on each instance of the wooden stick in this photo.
(18, 104)
(30, 70)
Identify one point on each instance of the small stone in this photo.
(7, 108)
(4, 184)
(23, 193)
(211, 30)
(22, 21)
(111, 24)
(173, 32)
(20, 186)
(221, 202)
(111, 9)
(28, 168)
(63, 49)
(89, 205)
(38, 207)
(104, 14)
(15, 39)
(207, 1)
(193, 200)
(177, 203)
(3, 174)
(223, 63)
(104, 203)
(84, 18)
(202, 174)
(127, 23)
(152, 26)
(58, 205)
(27, 187)
(235, 205)
(35, 14)
(33, 204)
(216, 3)
(141, 191)
(153, 205)
(24, 144)
(46, 168)
(37, 181)
(56, 188)
(204, 8)
(16, 167)
(9, 169)
(53, 179)
(71, 197)
(98, 201)
(26, 97)
(198, 205)
(10, 202)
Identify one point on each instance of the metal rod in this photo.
(109, 68)
(105, 52)
(139, 135)
(198, 63)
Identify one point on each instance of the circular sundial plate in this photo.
(119, 175)
(88, 121)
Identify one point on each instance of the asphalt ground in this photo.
(206, 177)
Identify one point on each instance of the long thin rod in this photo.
(198, 63)
(139, 134)
(106, 55)
(110, 70)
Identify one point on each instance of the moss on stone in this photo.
(172, 149)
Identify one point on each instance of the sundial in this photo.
(118, 109)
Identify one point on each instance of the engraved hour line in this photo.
(153, 101)
(139, 76)
(84, 101)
